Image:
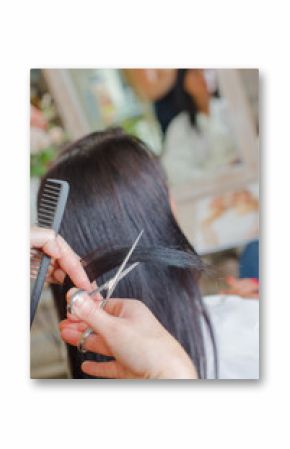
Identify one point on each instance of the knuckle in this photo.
(49, 234)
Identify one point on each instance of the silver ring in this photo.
(89, 331)
(73, 300)
(85, 335)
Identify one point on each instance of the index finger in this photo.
(70, 262)
(44, 239)
(55, 246)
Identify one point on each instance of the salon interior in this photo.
(203, 125)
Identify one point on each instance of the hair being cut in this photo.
(118, 188)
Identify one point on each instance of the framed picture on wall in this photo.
(221, 221)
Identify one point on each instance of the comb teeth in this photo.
(48, 204)
(35, 260)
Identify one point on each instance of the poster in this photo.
(227, 220)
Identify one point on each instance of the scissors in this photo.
(110, 286)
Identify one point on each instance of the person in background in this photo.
(249, 261)
(247, 285)
(199, 140)
(158, 86)
(196, 124)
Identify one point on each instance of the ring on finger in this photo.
(85, 335)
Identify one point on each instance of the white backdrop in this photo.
(133, 414)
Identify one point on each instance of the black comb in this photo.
(50, 212)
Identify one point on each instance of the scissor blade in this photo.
(108, 283)
(125, 272)
(115, 280)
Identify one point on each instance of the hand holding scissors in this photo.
(128, 331)
(110, 286)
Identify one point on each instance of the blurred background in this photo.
(203, 124)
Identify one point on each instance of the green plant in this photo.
(40, 161)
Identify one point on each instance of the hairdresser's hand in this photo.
(64, 260)
(246, 287)
(129, 332)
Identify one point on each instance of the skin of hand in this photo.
(127, 330)
(64, 261)
(246, 288)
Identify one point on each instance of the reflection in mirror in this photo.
(200, 140)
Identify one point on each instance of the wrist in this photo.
(179, 366)
(179, 371)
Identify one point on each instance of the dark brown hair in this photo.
(118, 188)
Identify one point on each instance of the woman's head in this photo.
(193, 92)
(195, 85)
(117, 188)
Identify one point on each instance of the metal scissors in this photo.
(110, 286)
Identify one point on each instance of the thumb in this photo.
(88, 310)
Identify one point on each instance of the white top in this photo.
(190, 153)
(236, 325)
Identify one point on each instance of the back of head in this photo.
(117, 188)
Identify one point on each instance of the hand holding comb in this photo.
(50, 213)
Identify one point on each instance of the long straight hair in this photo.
(118, 188)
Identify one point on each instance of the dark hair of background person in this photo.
(117, 188)
(177, 100)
